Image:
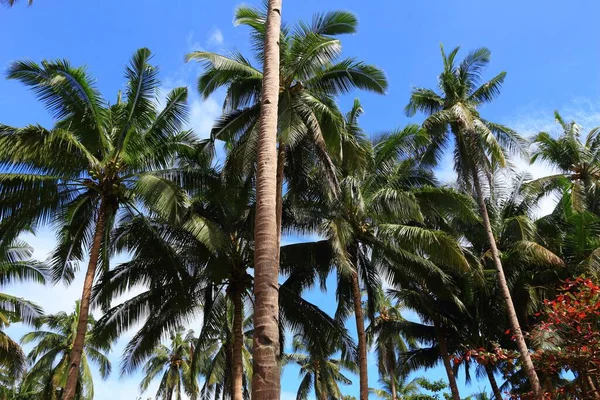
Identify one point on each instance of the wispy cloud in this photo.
(216, 38)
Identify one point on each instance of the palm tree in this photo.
(174, 363)
(479, 145)
(318, 368)
(202, 264)
(376, 224)
(400, 388)
(216, 355)
(266, 383)
(16, 265)
(389, 343)
(309, 80)
(578, 164)
(50, 357)
(96, 160)
(311, 77)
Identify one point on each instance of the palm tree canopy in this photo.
(174, 364)
(312, 76)
(479, 145)
(49, 358)
(95, 153)
(577, 161)
(16, 265)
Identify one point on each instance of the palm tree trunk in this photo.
(279, 180)
(238, 342)
(446, 361)
(392, 375)
(362, 338)
(393, 386)
(265, 379)
(320, 387)
(490, 373)
(534, 381)
(84, 307)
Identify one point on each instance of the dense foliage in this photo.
(466, 274)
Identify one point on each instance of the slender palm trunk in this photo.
(528, 367)
(490, 373)
(279, 180)
(362, 338)
(320, 387)
(393, 386)
(446, 360)
(84, 307)
(238, 342)
(266, 375)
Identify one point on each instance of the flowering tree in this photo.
(566, 339)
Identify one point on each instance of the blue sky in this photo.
(549, 49)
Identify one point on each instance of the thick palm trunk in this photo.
(265, 379)
(238, 342)
(528, 367)
(446, 360)
(84, 307)
(495, 389)
(362, 338)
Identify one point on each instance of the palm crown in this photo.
(319, 369)
(578, 163)
(454, 109)
(174, 363)
(95, 154)
(311, 76)
(49, 358)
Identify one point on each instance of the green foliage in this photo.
(49, 358)
(16, 265)
(380, 216)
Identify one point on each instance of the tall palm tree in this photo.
(376, 224)
(16, 265)
(578, 163)
(389, 343)
(50, 357)
(478, 146)
(174, 364)
(215, 353)
(202, 264)
(266, 383)
(96, 160)
(308, 80)
(319, 370)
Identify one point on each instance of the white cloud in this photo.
(203, 114)
(216, 38)
(192, 43)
